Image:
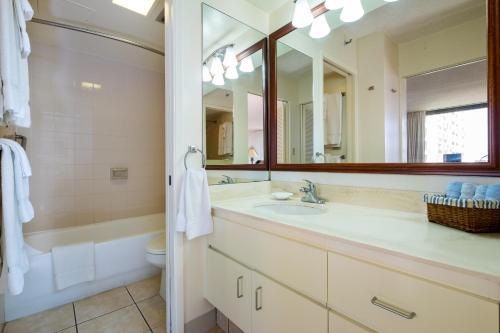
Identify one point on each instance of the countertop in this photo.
(409, 234)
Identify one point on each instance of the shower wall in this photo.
(96, 104)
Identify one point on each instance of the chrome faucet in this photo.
(310, 193)
(226, 180)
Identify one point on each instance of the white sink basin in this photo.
(290, 208)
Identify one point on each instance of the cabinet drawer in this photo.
(298, 266)
(339, 324)
(388, 301)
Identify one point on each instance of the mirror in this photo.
(234, 97)
(405, 83)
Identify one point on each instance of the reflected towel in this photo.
(454, 190)
(493, 192)
(73, 264)
(333, 114)
(480, 192)
(468, 191)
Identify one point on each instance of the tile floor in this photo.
(136, 308)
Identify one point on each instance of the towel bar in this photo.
(194, 150)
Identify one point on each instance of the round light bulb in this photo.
(335, 4)
(302, 15)
(353, 11)
(207, 77)
(232, 73)
(319, 27)
(216, 67)
(246, 65)
(230, 58)
(218, 79)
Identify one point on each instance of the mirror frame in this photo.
(260, 45)
(491, 168)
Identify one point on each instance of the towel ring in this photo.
(194, 150)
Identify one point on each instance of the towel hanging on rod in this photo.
(194, 150)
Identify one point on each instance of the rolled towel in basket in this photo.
(468, 191)
(493, 192)
(480, 192)
(453, 190)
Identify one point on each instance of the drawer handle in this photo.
(258, 299)
(394, 309)
(239, 284)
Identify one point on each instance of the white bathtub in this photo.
(119, 257)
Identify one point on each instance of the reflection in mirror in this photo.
(233, 72)
(409, 89)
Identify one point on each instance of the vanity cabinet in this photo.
(256, 303)
(338, 324)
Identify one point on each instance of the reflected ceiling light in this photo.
(218, 80)
(353, 11)
(302, 15)
(230, 58)
(335, 4)
(390, 0)
(207, 77)
(139, 6)
(320, 27)
(246, 65)
(232, 73)
(216, 67)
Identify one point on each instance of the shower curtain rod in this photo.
(96, 33)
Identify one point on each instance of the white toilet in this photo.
(156, 255)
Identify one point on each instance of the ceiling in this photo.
(268, 5)
(103, 15)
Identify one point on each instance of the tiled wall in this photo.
(96, 104)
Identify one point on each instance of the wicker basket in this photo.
(475, 220)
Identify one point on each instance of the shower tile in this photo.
(44, 322)
(154, 310)
(126, 320)
(145, 289)
(101, 304)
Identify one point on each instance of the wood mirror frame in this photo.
(491, 168)
(260, 45)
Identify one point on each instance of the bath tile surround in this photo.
(134, 308)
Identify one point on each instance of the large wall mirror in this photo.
(234, 97)
(406, 86)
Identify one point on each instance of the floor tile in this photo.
(101, 304)
(145, 289)
(154, 310)
(49, 321)
(216, 330)
(126, 320)
(69, 330)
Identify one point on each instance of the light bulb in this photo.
(246, 65)
(207, 77)
(390, 0)
(335, 4)
(353, 11)
(232, 73)
(216, 67)
(230, 58)
(320, 27)
(218, 79)
(302, 15)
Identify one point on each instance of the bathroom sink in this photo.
(290, 208)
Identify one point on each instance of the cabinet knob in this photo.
(239, 287)
(258, 299)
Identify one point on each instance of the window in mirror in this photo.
(233, 73)
(409, 89)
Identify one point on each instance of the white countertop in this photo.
(409, 234)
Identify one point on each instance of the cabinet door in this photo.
(342, 325)
(228, 288)
(276, 309)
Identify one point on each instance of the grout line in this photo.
(139, 309)
(104, 314)
(74, 316)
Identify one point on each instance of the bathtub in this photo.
(119, 257)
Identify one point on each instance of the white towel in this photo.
(14, 250)
(333, 124)
(14, 49)
(73, 264)
(195, 211)
(22, 172)
(225, 138)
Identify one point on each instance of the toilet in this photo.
(156, 255)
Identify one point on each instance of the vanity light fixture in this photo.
(246, 65)
(216, 67)
(218, 80)
(391, 0)
(353, 11)
(335, 4)
(232, 73)
(302, 15)
(230, 58)
(207, 77)
(139, 6)
(319, 27)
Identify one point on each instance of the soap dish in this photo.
(282, 195)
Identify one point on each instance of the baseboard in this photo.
(202, 324)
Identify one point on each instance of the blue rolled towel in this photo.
(493, 192)
(453, 190)
(480, 192)
(468, 191)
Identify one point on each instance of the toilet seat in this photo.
(157, 245)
